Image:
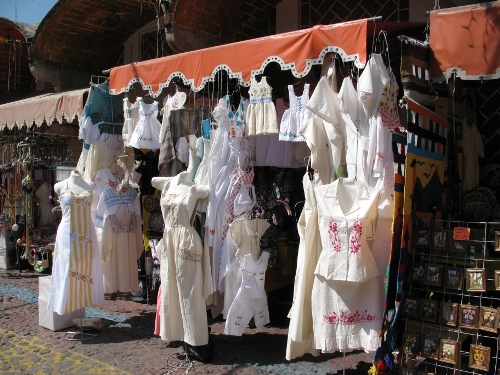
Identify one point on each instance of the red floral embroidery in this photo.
(345, 318)
(333, 232)
(111, 183)
(357, 231)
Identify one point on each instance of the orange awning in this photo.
(296, 51)
(466, 40)
(45, 107)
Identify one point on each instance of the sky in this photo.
(28, 11)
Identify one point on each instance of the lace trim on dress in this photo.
(118, 227)
(189, 255)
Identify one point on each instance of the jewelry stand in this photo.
(81, 335)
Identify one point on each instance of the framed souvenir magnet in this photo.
(411, 342)
(468, 316)
(497, 240)
(488, 319)
(448, 351)
(475, 279)
(440, 239)
(411, 307)
(453, 278)
(433, 274)
(479, 357)
(417, 272)
(448, 314)
(422, 238)
(428, 310)
(429, 346)
(497, 279)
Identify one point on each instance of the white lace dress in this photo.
(147, 131)
(261, 117)
(130, 118)
(296, 116)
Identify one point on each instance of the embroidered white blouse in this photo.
(348, 212)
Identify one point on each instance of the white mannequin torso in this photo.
(74, 183)
(183, 182)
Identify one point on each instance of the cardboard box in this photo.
(49, 319)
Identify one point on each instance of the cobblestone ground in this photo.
(127, 345)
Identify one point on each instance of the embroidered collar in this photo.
(362, 192)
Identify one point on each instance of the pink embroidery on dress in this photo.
(345, 318)
(357, 231)
(333, 232)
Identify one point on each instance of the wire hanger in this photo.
(65, 161)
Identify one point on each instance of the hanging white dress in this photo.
(300, 331)
(103, 179)
(130, 118)
(246, 234)
(295, 116)
(122, 245)
(147, 131)
(261, 115)
(251, 299)
(347, 298)
(76, 272)
(183, 310)
(172, 103)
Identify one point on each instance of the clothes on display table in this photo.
(261, 115)
(130, 118)
(184, 266)
(295, 116)
(76, 272)
(147, 131)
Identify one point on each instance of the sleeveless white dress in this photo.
(147, 131)
(76, 273)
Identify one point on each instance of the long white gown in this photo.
(76, 273)
(183, 314)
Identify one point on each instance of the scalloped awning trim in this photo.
(296, 51)
(46, 107)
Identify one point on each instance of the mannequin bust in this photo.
(75, 183)
(160, 182)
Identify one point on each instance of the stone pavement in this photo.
(127, 345)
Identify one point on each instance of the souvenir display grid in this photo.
(484, 242)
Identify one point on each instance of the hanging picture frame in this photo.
(429, 346)
(411, 342)
(497, 279)
(411, 307)
(453, 277)
(457, 245)
(488, 319)
(475, 279)
(428, 310)
(433, 274)
(497, 240)
(407, 371)
(422, 238)
(448, 314)
(448, 351)
(440, 239)
(479, 357)
(468, 316)
(417, 272)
